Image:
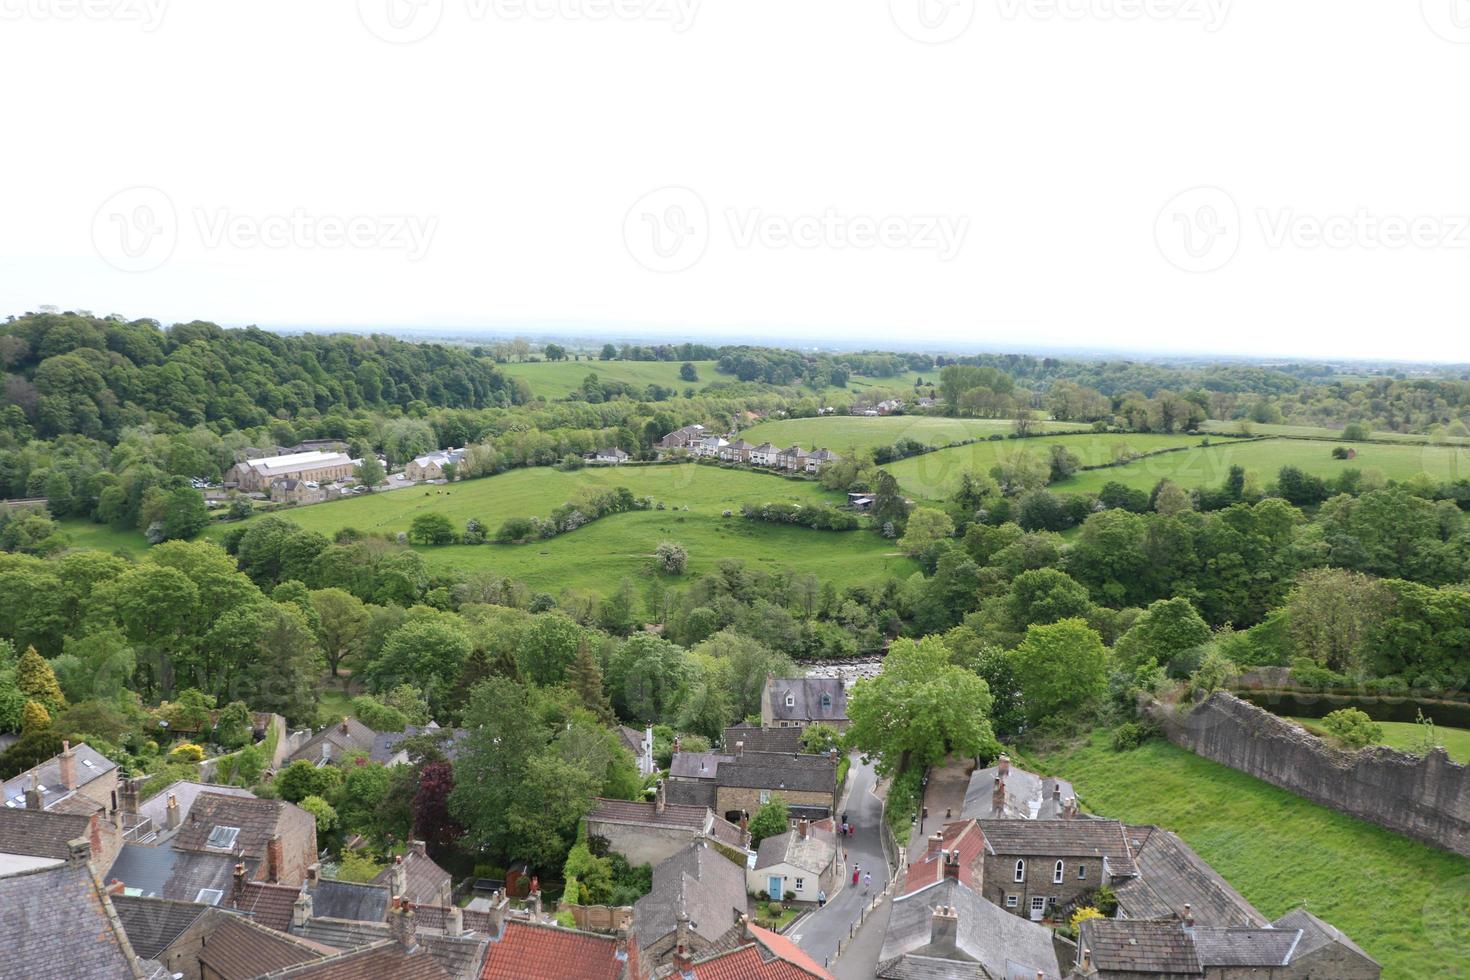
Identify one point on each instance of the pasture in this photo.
(558, 379)
(846, 434)
(1323, 432)
(1395, 897)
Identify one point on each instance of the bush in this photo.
(186, 752)
(1352, 727)
(790, 897)
(1130, 735)
(671, 558)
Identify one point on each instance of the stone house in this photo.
(737, 451)
(800, 701)
(653, 831)
(256, 475)
(800, 862)
(764, 454)
(33, 838)
(431, 466)
(1004, 792)
(808, 784)
(1297, 946)
(819, 458)
(1034, 866)
(417, 877)
(759, 955)
(336, 742)
(613, 456)
(277, 837)
(792, 458)
(682, 438)
(289, 490)
(710, 447)
(697, 902)
(1172, 877)
(78, 780)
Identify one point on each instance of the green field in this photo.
(1403, 902)
(1208, 466)
(849, 433)
(1322, 432)
(600, 554)
(557, 379)
(1406, 735)
(934, 476)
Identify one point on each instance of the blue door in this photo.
(773, 887)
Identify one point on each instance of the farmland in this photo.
(1396, 898)
(1322, 432)
(935, 475)
(557, 379)
(849, 433)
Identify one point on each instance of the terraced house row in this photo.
(698, 442)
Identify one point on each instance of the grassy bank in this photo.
(1398, 899)
(851, 433)
(557, 379)
(1407, 736)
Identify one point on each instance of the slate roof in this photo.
(239, 949)
(257, 819)
(46, 911)
(1138, 946)
(777, 771)
(1027, 795)
(425, 881)
(153, 923)
(698, 881)
(90, 765)
(697, 765)
(335, 899)
(385, 744)
(340, 933)
(381, 961)
(269, 904)
(1061, 838)
(357, 738)
(1005, 944)
(531, 951)
(645, 813)
(185, 791)
(1171, 875)
(763, 955)
(806, 694)
(39, 833)
(1245, 947)
(1316, 933)
(814, 854)
(164, 872)
(912, 967)
(690, 793)
(758, 739)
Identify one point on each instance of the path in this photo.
(944, 793)
(818, 933)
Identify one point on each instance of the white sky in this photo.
(1019, 184)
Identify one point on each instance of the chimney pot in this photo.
(344, 725)
(1004, 765)
(1087, 959)
(739, 747)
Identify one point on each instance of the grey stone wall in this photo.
(1425, 798)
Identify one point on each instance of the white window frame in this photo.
(1058, 873)
(765, 796)
(790, 701)
(1020, 869)
(801, 884)
(1081, 872)
(1012, 901)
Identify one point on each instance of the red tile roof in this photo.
(769, 956)
(528, 951)
(962, 835)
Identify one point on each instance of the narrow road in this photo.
(820, 931)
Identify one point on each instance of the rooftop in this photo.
(807, 699)
(47, 911)
(813, 853)
(1137, 946)
(698, 881)
(531, 951)
(1006, 945)
(1027, 796)
(90, 765)
(1171, 875)
(1061, 838)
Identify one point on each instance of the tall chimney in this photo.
(128, 796)
(301, 910)
(658, 797)
(34, 800)
(454, 921)
(1086, 960)
(498, 902)
(998, 795)
(802, 827)
(345, 729)
(683, 961)
(238, 895)
(67, 764)
(171, 816)
(944, 930)
(936, 841)
(401, 925)
(1056, 791)
(952, 864)
(739, 747)
(274, 858)
(1188, 920)
(1003, 767)
(400, 876)
(536, 904)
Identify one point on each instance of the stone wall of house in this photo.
(729, 799)
(1426, 798)
(998, 880)
(641, 845)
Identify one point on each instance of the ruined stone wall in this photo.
(1425, 798)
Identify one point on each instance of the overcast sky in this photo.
(1252, 177)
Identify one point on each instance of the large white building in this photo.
(256, 474)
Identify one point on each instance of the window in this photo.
(1081, 872)
(1020, 870)
(800, 883)
(222, 837)
(1057, 873)
(790, 701)
(765, 796)
(1012, 901)
(209, 896)
(826, 701)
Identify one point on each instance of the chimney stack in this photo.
(998, 795)
(536, 903)
(739, 748)
(1003, 767)
(944, 930)
(936, 841)
(659, 802)
(676, 745)
(239, 892)
(1188, 920)
(952, 864)
(67, 763)
(400, 876)
(274, 858)
(34, 799)
(128, 796)
(78, 852)
(802, 827)
(345, 729)
(301, 910)
(400, 924)
(683, 961)
(171, 816)
(1087, 961)
(498, 902)
(1056, 791)
(313, 872)
(454, 921)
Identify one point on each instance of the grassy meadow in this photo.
(557, 379)
(601, 554)
(934, 476)
(1403, 902)
(851, 433)
(1324, 432)
(1406, 735)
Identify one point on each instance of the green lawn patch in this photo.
(558, 379)
(1404, 902)
(1407, 736)
(846, 434)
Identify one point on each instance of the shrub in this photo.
(1353, 727)
(671, 558)
(790, 897)
(187, 752)
(1130, 735)
(1082, 915)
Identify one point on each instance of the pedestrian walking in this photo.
(854, 875)
(821, 898)
(844, 855)
(867, 881)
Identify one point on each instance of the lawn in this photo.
(601, 554)
(85, 534)
(1208, 466)
(557, 379)
(1404, 902)
(1406, 735)
(1323, 432)
(934, 476)
(849, 433)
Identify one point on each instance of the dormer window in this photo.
(222, 837)
(790, 701)
(826, 701)
(1020, 870)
